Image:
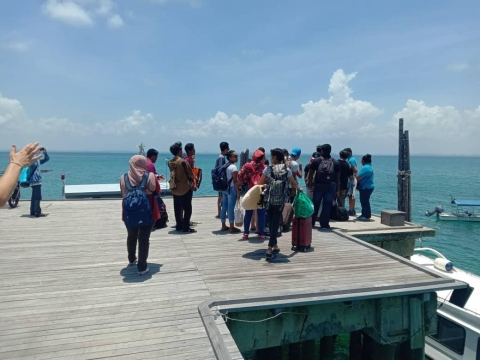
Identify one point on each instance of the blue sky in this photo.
(107, 74)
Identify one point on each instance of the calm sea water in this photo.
(434, 179)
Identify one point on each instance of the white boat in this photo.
(101, 191)
(462, 210)
(458, 327)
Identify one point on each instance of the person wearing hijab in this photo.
(250, 174)
(140, 234)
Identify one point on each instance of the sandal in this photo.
(235, 231)
(276, 250)
(225, 229)
(190, 231)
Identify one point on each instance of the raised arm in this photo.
(18, 161)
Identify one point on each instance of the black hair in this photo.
(175, 148)
(316, 154)
(262, 149)
(326, 149)
(224, 146)
(229, 154)
(151, 152)
(278, 153)
(343, 154)
(285, 153)
(349, 150)
(319, 148)
(367, 159)
(189, 147)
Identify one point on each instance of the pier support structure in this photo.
(404, 175)
(388, 322)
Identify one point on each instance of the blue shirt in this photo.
(353, 161)
(366, 174)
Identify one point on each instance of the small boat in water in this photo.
(462, 210)
(458, 323)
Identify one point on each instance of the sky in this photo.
(105, 75)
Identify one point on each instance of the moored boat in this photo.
(462, 210)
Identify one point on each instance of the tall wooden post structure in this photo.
(404, 175)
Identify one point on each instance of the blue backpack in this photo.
(219, 178)
(136, 206)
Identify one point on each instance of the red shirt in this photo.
(151, 166)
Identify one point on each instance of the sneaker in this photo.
(245, 237)
(132, 263)
(351, 213)
(269, 255)
(362, 218)
(261, 237)
(144, 271)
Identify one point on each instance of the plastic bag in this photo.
(302, 206)
(238, 215)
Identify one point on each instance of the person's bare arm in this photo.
(294, 184)
(263, 180)
(236, 183)
(300, 171)
(18, 160)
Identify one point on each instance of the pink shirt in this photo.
(151, 166)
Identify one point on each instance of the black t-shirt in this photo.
(346, 170)
(305, 172)
(316, 163)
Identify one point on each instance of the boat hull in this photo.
(465, 218)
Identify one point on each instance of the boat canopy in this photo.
(467, 202)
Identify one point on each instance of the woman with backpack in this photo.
(250, 174)
(365, 186)
(276, 177)
(139, 210)
(231, 195)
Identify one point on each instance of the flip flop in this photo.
(235, 231)
(225, 229)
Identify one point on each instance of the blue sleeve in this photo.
(364, 171)
(45, 158)
(353, 162)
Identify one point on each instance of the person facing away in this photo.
(181, 185)
(366, 185)
(136, 177)
(325, 184)
(232, 195)
(18, 160)
(250, 175)
(35, 177)
(306, 171)
(352, 182)
(276, 177)
(346, 173)
(221, 160)
(296, 168)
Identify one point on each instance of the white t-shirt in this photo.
(230, 170)
(294, 167)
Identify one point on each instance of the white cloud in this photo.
(137, 123)
(115, 21)
(83, 12)
(68, 12)
(458, 67)
(11, 110)
(334, 115)
(18, 46)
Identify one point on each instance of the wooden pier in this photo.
(66, 291)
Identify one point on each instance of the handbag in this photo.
(238, 215)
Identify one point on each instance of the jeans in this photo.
(182, 206)
(247, 219)
(229, 199)
(323, 193)
(365, 202)
(142, 235)
(35, 209)
(274, 217)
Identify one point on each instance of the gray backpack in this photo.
(277, 186)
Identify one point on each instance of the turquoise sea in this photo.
(434, 179)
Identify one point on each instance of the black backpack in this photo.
(326, 171)
(338, 213)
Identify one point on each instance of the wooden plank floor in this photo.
(66, 292)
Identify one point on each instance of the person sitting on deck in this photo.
(18, 160)
(139, 233)
(181, 185)
(276, 177)
(250, 174)
(232, 195)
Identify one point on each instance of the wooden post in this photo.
(408, 179)
(400, 188)
(327, 347)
